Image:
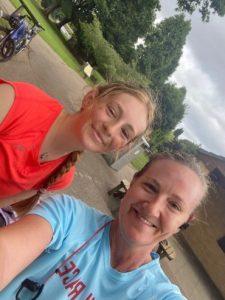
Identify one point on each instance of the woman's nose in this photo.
(154, 207)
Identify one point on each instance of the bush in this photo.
(99, 52)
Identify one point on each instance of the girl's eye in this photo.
(111, 111)
(125, 134)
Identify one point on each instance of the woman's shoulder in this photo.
(159, 284)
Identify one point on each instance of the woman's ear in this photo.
(191, 218)
(90, 98)
(187, 224)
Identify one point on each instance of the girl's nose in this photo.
(111, 128)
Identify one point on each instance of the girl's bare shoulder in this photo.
(7, 95)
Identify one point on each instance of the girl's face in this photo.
(158, 203)
(111, 123)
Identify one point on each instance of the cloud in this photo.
(204, 122)
(202, 71)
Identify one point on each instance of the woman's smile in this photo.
(146, 220)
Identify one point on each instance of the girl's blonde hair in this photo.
(107, 90)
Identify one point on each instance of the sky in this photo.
(202, 71)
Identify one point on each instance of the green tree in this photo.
(94, 48)
(123, 22)
(205, 7)
(189, 147)
(159, 139)
(171, 107)
(177, 132)
(159, 56)
(50, 5)
(174, 145)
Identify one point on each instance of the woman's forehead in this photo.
(175, 176)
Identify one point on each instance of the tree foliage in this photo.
(182, 145)
(123, 22)
(171, 107)
(205, 7)
(177, 132)
(160, 55)
(99, 52)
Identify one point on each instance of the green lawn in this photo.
(52, 36)
(139, 162)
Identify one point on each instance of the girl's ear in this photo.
(90, 98)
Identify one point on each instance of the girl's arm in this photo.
(20, 244)
(7, 96)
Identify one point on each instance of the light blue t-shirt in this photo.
(87, 275)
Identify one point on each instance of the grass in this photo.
(52, 36)
(139, 162)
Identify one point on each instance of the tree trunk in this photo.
(51, 8)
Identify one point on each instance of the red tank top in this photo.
(21, 135)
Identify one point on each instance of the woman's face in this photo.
(111, 123)
(158, 203)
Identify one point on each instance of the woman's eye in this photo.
(150, 187)
(175, 206)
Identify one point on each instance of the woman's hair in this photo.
(107, 90)
(183, 158)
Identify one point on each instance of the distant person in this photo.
(67, 250)
(40, 142)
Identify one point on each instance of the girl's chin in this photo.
(93, 147)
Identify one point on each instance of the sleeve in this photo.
(64, 181)
(61, 212)
(173, 293)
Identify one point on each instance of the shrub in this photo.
(98, 51)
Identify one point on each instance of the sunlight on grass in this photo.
(139, 162)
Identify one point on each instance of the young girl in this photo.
(40, 142)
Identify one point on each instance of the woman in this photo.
(40, 142)
(72, 251)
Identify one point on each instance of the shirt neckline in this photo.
(122, 276)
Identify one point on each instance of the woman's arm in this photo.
(20, 244)
(7, 96)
